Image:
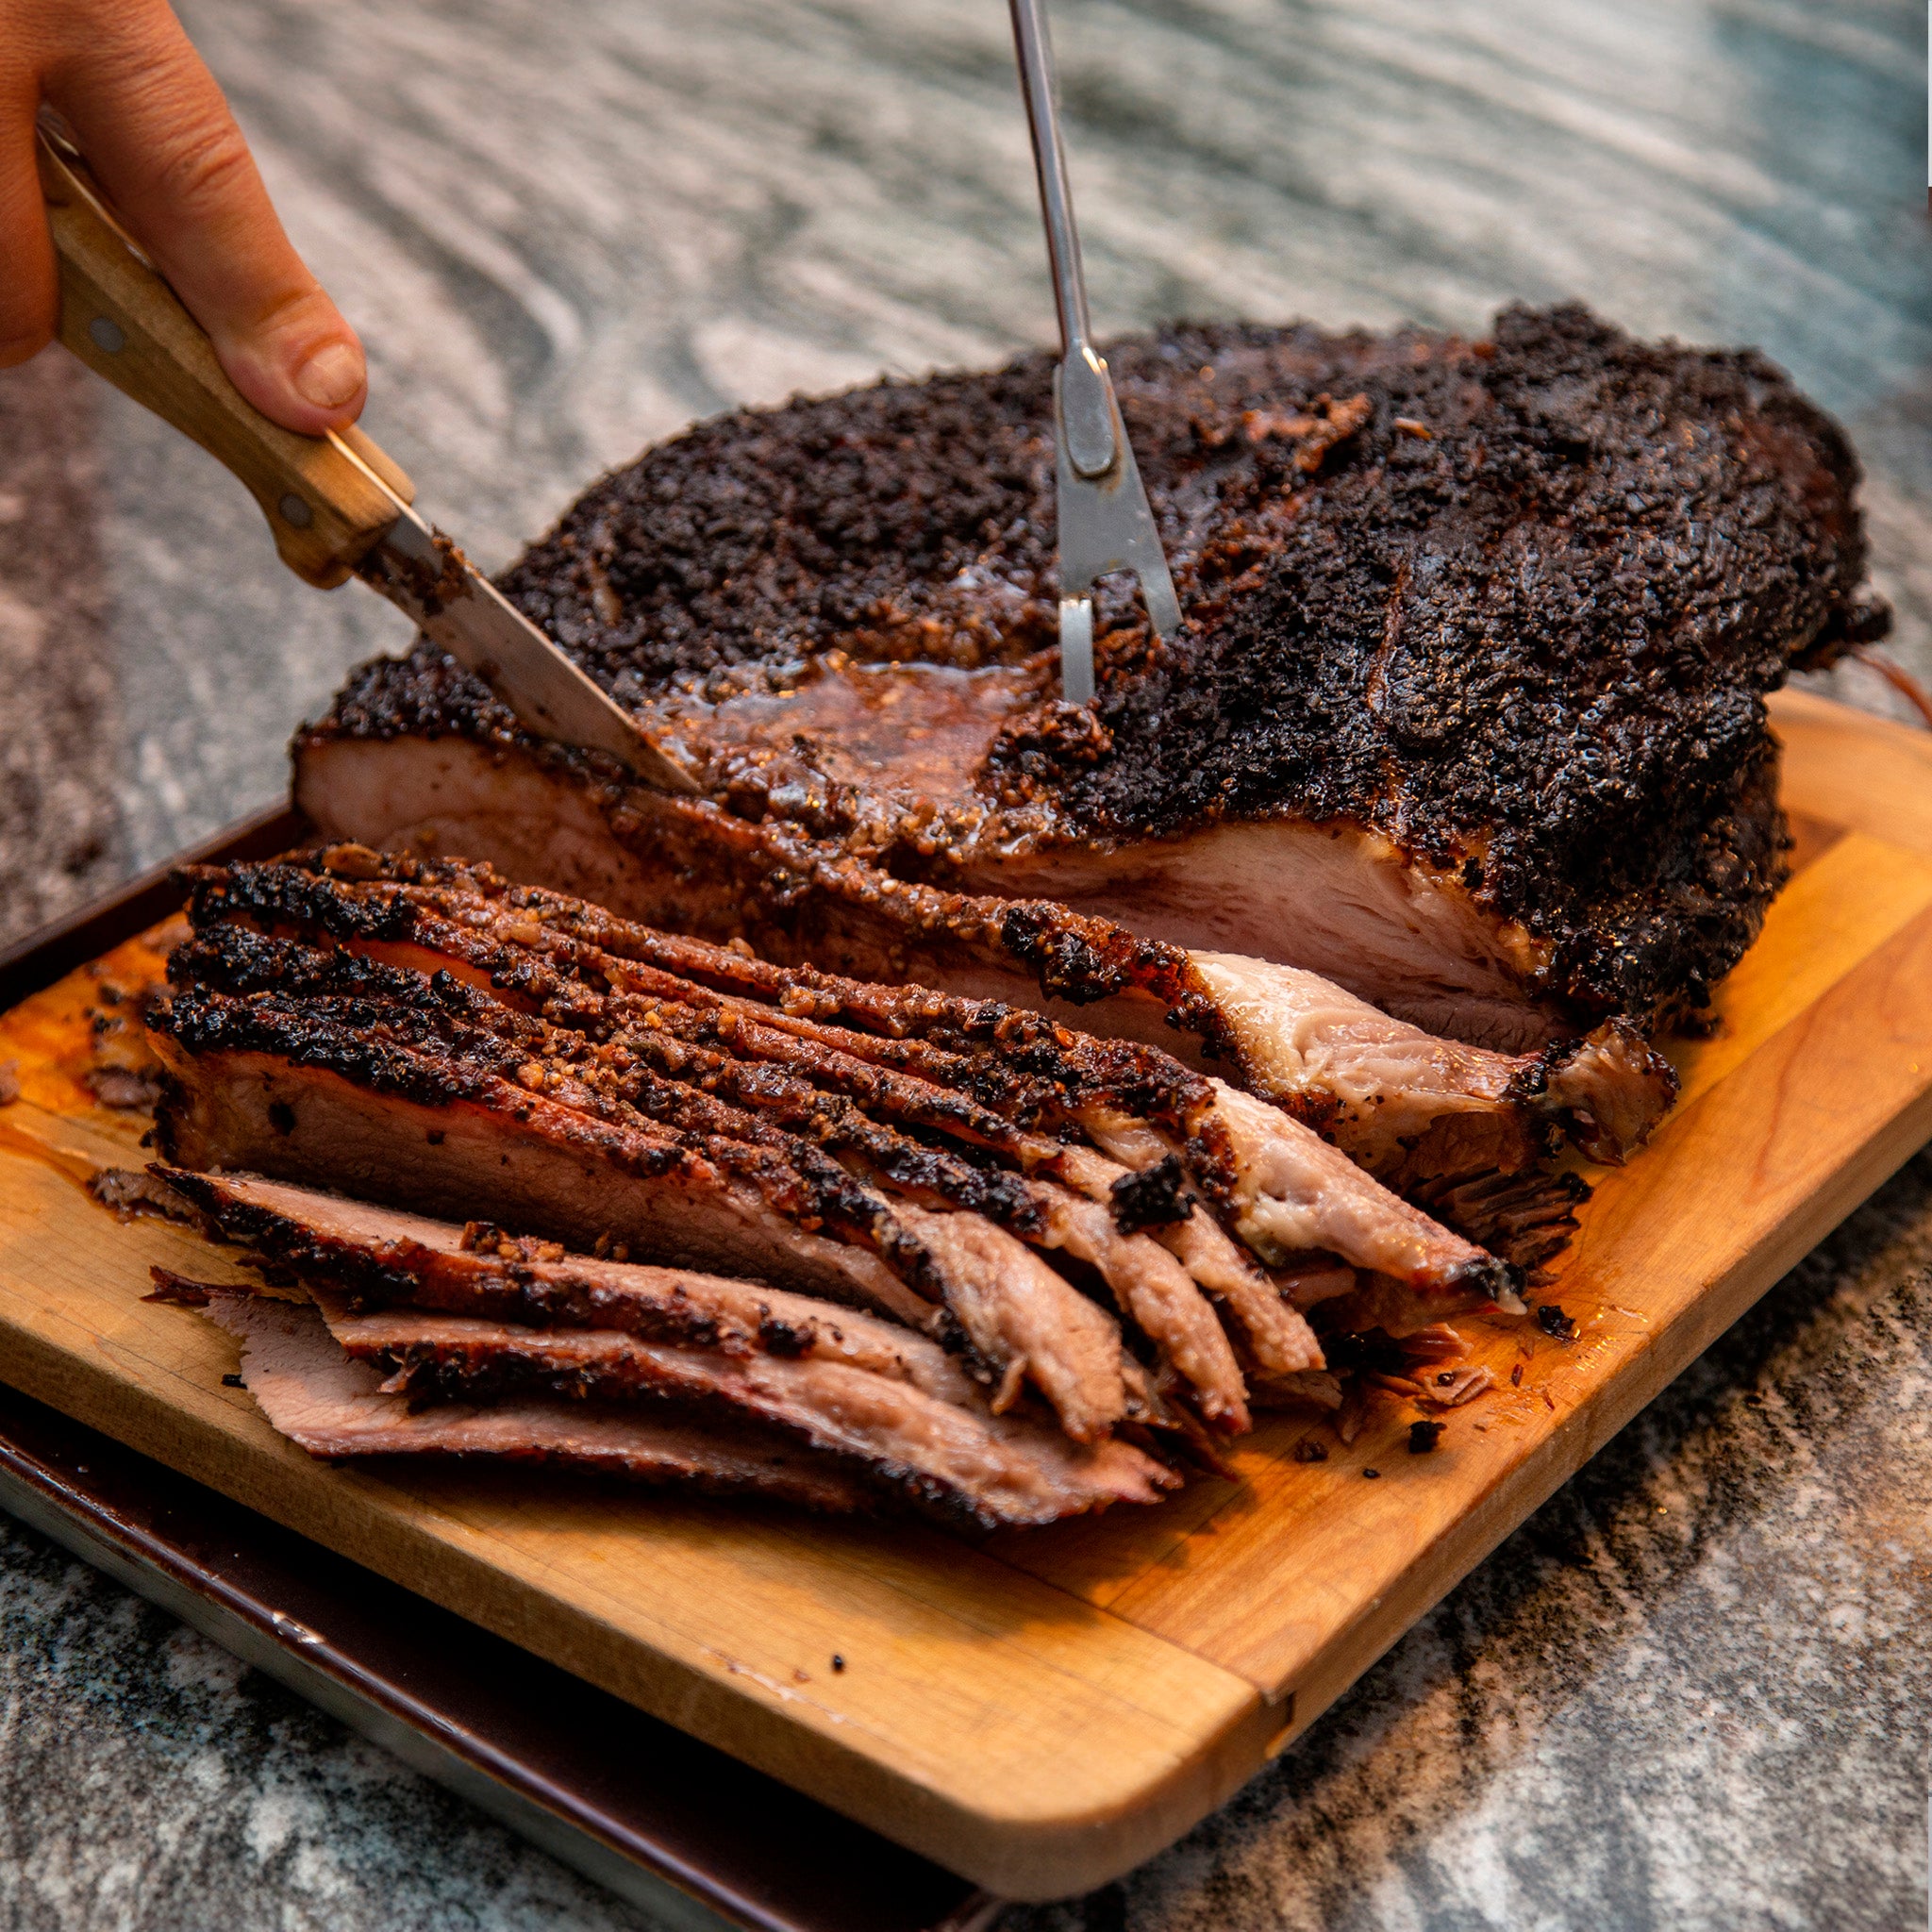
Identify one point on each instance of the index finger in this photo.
(158, 133)
(29, 298)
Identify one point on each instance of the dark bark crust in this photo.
(1512, 604)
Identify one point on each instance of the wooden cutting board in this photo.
(1042, 1711)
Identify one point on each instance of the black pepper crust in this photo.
(433, 1041)
(1512, 604)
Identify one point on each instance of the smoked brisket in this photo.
(1467, 713)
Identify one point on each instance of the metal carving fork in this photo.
(1104, 523)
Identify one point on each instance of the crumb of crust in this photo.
(1309, 1450)
(487, 1238)
(1516, 1376)
(10, 1082)
(1556, 1324)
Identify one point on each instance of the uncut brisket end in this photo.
(1468, 711)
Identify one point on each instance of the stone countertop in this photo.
(1693, 1690)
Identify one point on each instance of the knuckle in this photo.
(201, 167)
(295, 315)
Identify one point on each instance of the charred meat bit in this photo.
(1556, 1324)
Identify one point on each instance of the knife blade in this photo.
(425, 575)
(337, 504)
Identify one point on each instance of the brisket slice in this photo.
(1446, 1122)
(1467, 713)
(282, 1090)
(956, 1462)
(465, 1315)
(378, 1256)
(616, 1029)
(333, 1407)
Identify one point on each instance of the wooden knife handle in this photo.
(327, 498)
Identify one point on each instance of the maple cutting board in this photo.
(1043, 1710)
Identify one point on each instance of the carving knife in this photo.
(1104, 522)
(337, 506)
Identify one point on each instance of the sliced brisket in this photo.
(472, 1317)
(424, 1037)
(333, 1407)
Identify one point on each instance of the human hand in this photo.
(158, 135)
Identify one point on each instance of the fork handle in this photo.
(327, 498)
(1084, 394)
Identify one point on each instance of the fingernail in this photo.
(331, 377)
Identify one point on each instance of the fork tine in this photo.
(1107, 523)
(1104, 522)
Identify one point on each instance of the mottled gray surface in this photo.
(60, 818)
(1693, 1692)
(148, 1779)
